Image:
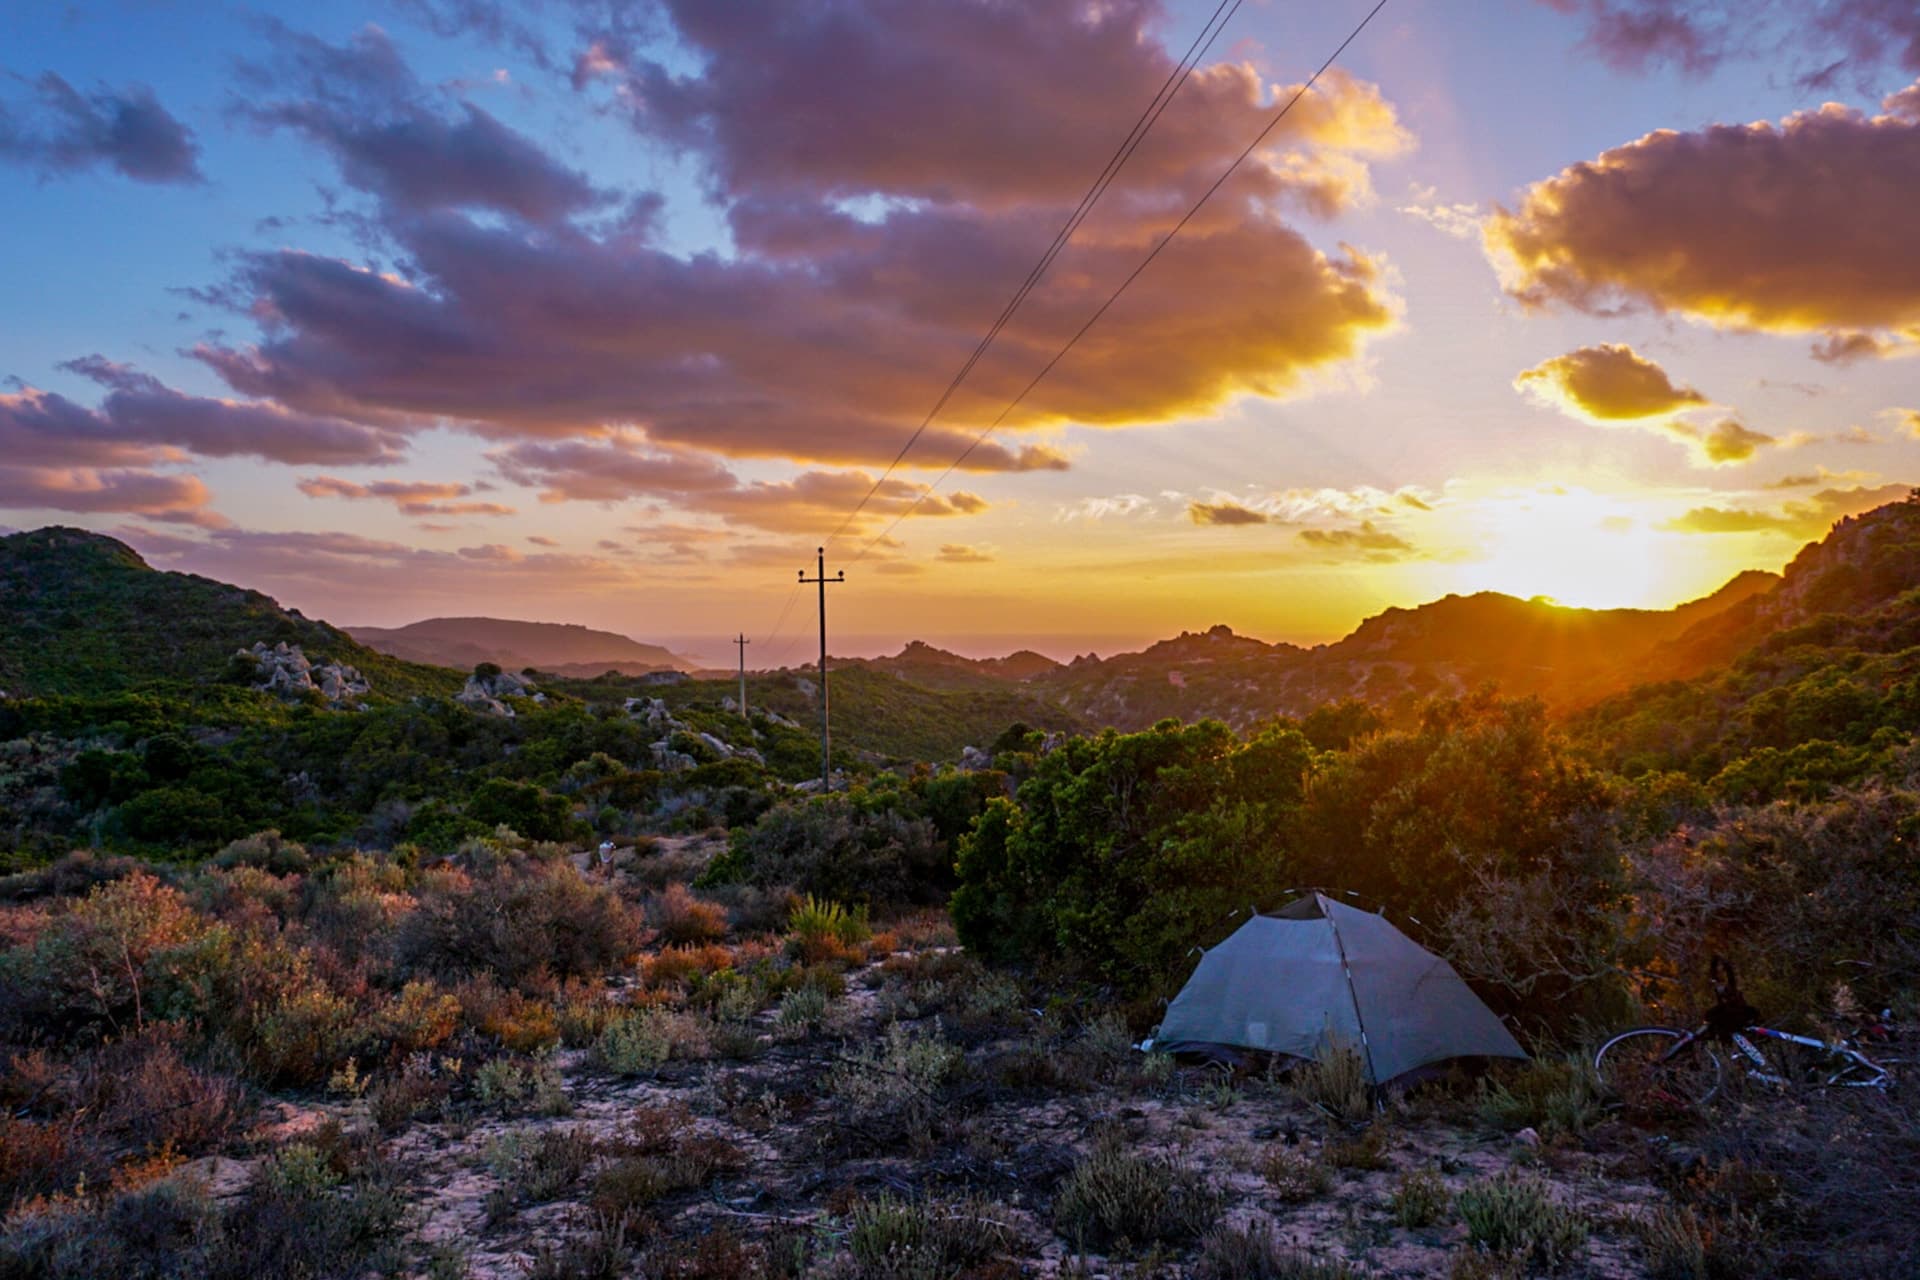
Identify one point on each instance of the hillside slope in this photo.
(1568, 657)
(83, 614)
(562, 648)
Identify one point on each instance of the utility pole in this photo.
(741, 642)
(826, 753)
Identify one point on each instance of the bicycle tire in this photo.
(1631, 1063)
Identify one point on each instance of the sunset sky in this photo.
(610, 312)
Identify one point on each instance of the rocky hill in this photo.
(83, 614)
(560, 648)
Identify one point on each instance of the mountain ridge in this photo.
(558, 648)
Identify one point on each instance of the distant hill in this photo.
(559, 648)
(923, 664)
(83, 614)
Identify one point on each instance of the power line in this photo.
(1185, 218)
(1176, 78)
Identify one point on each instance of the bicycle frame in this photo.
(1852, 1060)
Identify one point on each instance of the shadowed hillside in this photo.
(82, 614)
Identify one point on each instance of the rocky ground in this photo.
(921, 1116)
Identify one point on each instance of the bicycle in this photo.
(1685, 1065)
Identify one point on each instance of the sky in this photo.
(612, 311)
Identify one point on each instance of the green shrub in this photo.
(1114, 1197)
(832, 847)
(1513, 1213)
(1549, 1095)
(644, 1041)
(1420, 1199)
(895, 1239)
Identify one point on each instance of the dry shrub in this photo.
(1335, 1082)
(1253, 1252)
(40, 1158)
(1114, 1197)
(1295, 1176)
(148, 1096)
(521, 1023)
(524, 921)
(419, 1017)
(601, 1252)
(680, 918)
(535, 1168)
(675, 965)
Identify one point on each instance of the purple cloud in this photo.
(64, 131)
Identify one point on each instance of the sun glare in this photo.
(1583, 549)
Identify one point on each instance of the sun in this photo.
(1588, 550)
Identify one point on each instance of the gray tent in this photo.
(1319, 973)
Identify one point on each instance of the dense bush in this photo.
(1121, 852)
(850, 848)
(521, 918)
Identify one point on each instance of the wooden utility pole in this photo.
(826, 739)
(741, 642)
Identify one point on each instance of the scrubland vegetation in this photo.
(329, 993)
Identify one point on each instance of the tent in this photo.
(1321, 973)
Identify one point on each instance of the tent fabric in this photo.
(1320, 973)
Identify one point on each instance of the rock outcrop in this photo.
(487, 692)
(286, 671)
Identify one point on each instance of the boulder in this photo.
(285, 671)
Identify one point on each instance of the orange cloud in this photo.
(1607, 383)
(1224, 512)
(1368, 542)
(1801, 228)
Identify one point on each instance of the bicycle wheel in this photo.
(1637, 1067)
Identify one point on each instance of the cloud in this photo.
(977, 76)
(1728, 442)
(624, 466)
(541, 540)
(63, 131)
(1908, 420)
(1669, 223)
(823, 333)
(362, 104)
(1461, 221)
(1806, 519)
(1119, 505)
(961, 553)
(173, 498)
(610, 470)
(1607, 383)
(413, 498)
(1368, 542)
(1698, 35)
(1225, 512)
(142, 420)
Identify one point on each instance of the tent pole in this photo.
(1347, 969)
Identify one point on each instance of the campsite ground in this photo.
(775, 1095)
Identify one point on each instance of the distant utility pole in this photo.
(826, 753)
(741, 642)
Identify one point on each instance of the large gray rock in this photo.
(285, 670)
(486, 694)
